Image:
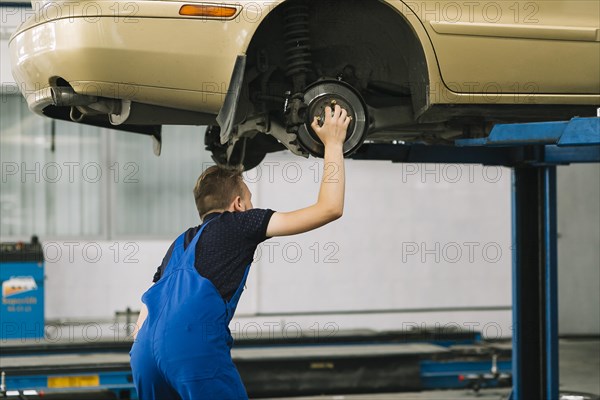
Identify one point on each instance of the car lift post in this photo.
(533, 150)
(534, 280)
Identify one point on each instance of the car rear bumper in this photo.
(183, 63)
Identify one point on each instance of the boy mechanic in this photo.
(183, 343)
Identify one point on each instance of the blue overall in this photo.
(182, 350)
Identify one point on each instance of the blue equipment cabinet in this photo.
(22, 281)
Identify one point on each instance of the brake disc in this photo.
(329, 93)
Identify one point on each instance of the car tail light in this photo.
(209, 11)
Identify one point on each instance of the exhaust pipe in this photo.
(87, 105)
(66, 96)
(121, 112)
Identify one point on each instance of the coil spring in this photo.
(297, 41)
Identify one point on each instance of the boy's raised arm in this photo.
(330, 203)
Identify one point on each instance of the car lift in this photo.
(532, 150)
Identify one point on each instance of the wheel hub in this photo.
(329, 93)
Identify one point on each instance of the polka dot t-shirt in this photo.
(226, 247)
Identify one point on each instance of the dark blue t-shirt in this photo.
(226, 247)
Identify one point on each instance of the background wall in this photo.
(579, 249)
(418, 245)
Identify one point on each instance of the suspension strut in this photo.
(297, 43)
(298, 61)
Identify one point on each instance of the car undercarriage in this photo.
(300, 61)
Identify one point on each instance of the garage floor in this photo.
(580, 365)
(579, 372)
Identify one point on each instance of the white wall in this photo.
(579, 249)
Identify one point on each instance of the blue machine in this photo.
(22, 280)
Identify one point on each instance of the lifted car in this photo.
(257, 72)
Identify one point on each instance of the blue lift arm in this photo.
(574, 141)
(536, 144)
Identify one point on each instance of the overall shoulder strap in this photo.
(179, 254)
(189, 255)
(176, 254)
(233, 302)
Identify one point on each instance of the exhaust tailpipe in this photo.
(66, 96)
(84, 104)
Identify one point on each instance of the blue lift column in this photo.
(533, 150)
(534, 275)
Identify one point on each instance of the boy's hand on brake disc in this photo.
(333, 131)
(330, 203)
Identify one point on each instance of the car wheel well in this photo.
(376, 51)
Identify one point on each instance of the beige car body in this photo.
(488, 52)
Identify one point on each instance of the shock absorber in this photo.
(297, 43)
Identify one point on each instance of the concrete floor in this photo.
(579, 372)
(580, 365)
